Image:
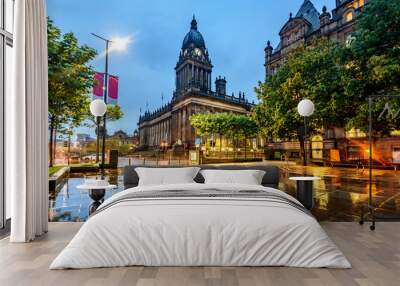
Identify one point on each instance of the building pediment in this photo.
(294, 23)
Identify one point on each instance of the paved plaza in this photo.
(338, 195)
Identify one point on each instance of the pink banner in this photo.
(112, 89)
(98, 87)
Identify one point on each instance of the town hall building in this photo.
(169, 125)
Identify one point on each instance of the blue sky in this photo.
(235, 33)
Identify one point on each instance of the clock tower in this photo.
(193, 70)
(170, 125)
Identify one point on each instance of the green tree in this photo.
(233, 126)
(314, 72)
(70, 81)
(244, 128)
(202, 124)
(372, 59)
(220, 125)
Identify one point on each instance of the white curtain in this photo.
(26, 124)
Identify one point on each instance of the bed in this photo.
(197, 224)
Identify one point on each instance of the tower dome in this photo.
(193, 37)
(193, 69)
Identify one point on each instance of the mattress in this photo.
(201, 225)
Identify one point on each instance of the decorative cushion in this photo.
(247, 177)
(166, 176)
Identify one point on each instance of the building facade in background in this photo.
(336, 144)
(124, 138)
(308, 24)
(169, 125)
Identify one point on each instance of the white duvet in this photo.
(200, 232)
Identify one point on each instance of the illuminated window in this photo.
(348, 16)
(358, 4)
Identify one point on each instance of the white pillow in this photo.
(247, 177)
(166, 176)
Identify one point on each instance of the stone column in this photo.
(154, 135)
(168, 132)
(157, 133)
(201, 78)
(164, 130)
(186, 76)
(161, 131)
(204, 79)
(180, 125)
(171, 123)
(195, 75)
(174, 127)
(188, 125)
(151, 136)
(150, 143)
(184, 123)
(192, 73)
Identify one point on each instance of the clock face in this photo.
(197, 52)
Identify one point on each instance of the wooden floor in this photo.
(375, 257)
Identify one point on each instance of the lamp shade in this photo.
(305, 107)
(98, 108)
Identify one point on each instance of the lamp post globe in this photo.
(98, 108)
(305, 108)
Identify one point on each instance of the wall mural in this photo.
(190, 90)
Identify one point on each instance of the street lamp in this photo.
(118, 44)
(98, 108)
(306, 109)
(103, 149)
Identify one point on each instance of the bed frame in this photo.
(270, 179)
